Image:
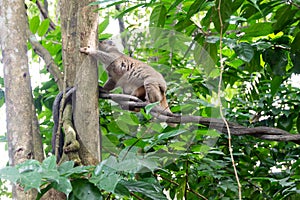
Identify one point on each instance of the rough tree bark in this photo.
(79, 25)
(24, 141)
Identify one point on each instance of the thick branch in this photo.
(267, 133)
(50, 64)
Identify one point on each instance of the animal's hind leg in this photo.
(153, 92)
(140, 93)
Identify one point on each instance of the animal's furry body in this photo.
(133, 76)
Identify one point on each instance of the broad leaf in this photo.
(195, 7)
(82, 189)
(63, 185)
(149, 107)
(150, 190)
(34, 24)
(49, 163)
(258, 29)
(9, 173)
(275, 83)
(157, 18)
(244, 51)
(284, 16)
(43, 28)
(103, 25)
(30, 180)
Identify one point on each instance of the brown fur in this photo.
(133, 76)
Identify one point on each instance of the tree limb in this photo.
(50, 64)
(262, 132)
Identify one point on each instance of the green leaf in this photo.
(149, 107)
(78, 170)
(122, 190)
(195, 7)
(298, 123)
(65, 167)
(158, 16)
(103, 25)
(170, 134)
(226, 11)
(63, 185)
(295, 46)
(128, 118)
(275, 83)
(262, 45)
(258, 29)
(283, 16)
(182, 24)
(49, 163)
(244, 51)
(174, 5)
(295, 58)
(295, 53)
(103, 166)
(2, 97)
(200, 148)
(131, 9)
(31, 180)
(83, 189)
(34, 24)
(50, 174)
(101, 2)
(43, 28)
(150, 190)
(277, 60)
(114, 127)
(9, 173)
(137, 142)
(28, 166)
(285, 123)
(108, 182)
(105, 36)
(104, 5)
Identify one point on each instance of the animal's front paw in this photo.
(86, 50)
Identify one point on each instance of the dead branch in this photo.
(262, 132)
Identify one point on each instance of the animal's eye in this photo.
(110, 42)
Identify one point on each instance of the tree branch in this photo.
(44, 13)
(50, 64)
(262, 132)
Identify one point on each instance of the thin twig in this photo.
(136, 196)
(220, 102)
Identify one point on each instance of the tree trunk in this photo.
(20, 113)
(79, 28)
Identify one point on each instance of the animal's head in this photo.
(107, 46)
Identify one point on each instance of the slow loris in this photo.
(133, 76)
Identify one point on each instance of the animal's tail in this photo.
(164, 104)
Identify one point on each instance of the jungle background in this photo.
(251, 47)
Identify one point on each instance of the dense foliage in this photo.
(261, 51)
